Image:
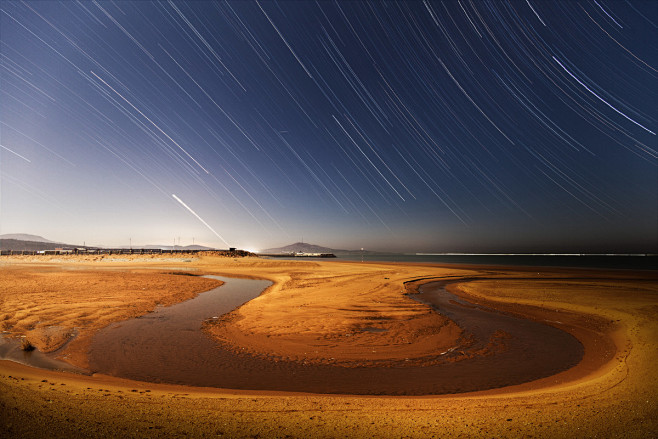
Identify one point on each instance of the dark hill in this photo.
(24, 237)
(19, 244)
(302, 247)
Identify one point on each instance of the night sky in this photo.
(462, 126)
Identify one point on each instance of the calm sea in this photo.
(586, 261)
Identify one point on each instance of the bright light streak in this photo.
(199, 218)
(15, 153)
(600, 98)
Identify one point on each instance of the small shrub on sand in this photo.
(26, 345)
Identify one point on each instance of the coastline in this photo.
(578, 398)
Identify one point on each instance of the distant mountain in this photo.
(19, 244)
(24, 237)
(24, 241)
(305, 247)
(302, 247)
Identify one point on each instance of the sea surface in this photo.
(626, 262)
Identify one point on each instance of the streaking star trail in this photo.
(452, 126)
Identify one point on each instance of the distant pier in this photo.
(124, 251)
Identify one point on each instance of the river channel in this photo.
(168, 346)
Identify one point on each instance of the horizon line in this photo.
(535, 254)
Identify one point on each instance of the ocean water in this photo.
(627, 262)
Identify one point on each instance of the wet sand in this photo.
(319, 304)
(55, 304)
(494, 350)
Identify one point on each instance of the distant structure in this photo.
(297, 255)
(124, 251)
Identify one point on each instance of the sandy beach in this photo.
(320, 314)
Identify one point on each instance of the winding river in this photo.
(168, 346)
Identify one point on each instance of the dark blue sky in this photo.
(415, 126)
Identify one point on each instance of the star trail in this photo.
(473, 126)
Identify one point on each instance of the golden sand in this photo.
(316, 311)
(49, 305)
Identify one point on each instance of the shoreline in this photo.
(602, 340)
(454, 287)
(155, 348)
(577, 401)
